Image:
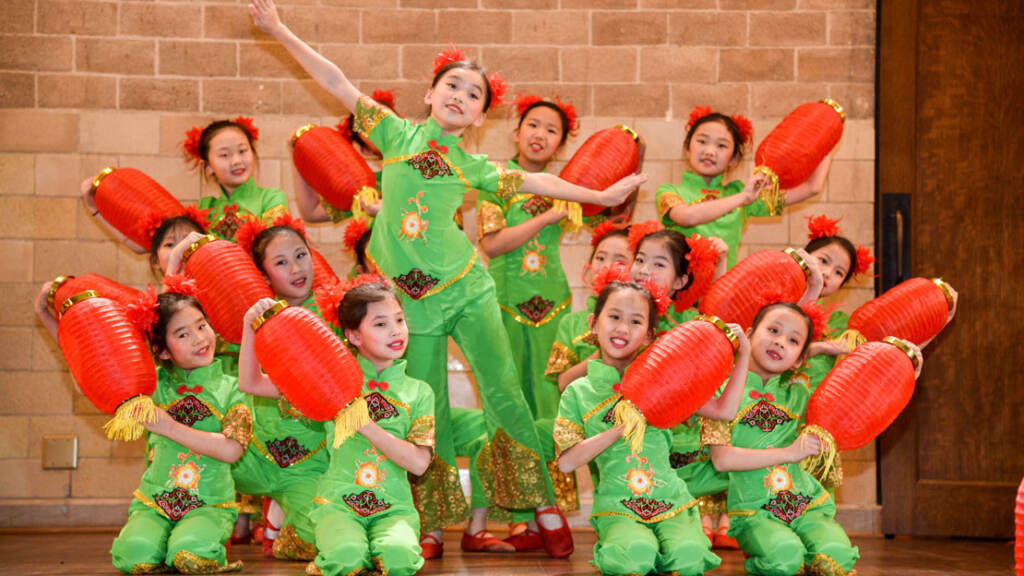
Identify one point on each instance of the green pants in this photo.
(779, 549)
(531, 347)
(293, 488)
(149, 540)
(347, 543)
(677, 545)
(469, 312)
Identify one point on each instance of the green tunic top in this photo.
(574, 342)
(694, 189)
(530, 282)
(247, 201)
(359, 476)
(643, 488)
(819, 366)
(178, 480)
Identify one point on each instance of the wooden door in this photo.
(950, 122)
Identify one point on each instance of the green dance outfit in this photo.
(645, 518)
(780, 515)
(248, 201)
(692, 190)
(574, 342)
(184, 508)
(445, 291)
(363, 512)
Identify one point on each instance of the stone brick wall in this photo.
(85, 84)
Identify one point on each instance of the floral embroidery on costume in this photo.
(187, 474)
(646, 508)
(189, 410)
(778, 480)
(369, 474)
(177, 502)
(415, 283)
(379, 407)
(639, 479)
(229, 222)
(535, 308)
(430, 164)
(413, 225)
(536, 205)
(286, 451)
(681, 459)
(366, 503)
(787, 506)
(533, 259)
(765, 416)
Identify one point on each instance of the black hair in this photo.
(262, 240)
(214, 128)
(619, 286)
(791, 306)
(163, 230)
(352, 308)
(730, 125)
(552, 106)
(623, 232)
(169, 304)
(678, 248)
(467, 65)
(846, 245)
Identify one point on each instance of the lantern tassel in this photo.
(850, 339)
(129, 417)
(634, 423)
(363, 198)
(774, 199)
(351, 418)
(821, 464)
(574, 218)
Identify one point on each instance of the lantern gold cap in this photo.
(835, 106)
(103, 173)
(197, 245)
(914, 355)
(302, 130)
(76, 299)
(632, 133)
(721, 325)
(51, 295)
(268, 314)
(799, 260)
(945, 291)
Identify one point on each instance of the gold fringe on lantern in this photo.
(129, 417)
(774, 199)
(820, 465)
(352, 417)
(574, 218)
(634, 424)
(363, 198)
(850, 339)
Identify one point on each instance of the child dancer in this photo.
(643, 514)
(445, 289)
(704, 203)
(781, 516)
(184, 508)
(363, 511)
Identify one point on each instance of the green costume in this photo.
(184, 508)
(363, 511)
(245, 202)
(574, 342)
(692, 190)
(646, 520)
(780, 515)
(446, 291)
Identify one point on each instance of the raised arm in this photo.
(326, 73)
(586, 450)
(307, 199)
(735, 459)
(724, 407)
(544, 184)
(411, 457)
(251, 378)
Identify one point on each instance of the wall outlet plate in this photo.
(60, 452)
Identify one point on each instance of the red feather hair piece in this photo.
(696, 114)
(607, 227)
(291, 222)
(771, 294)
(819, 319)
(570, 114)
(191, 145)
(345, 128)
(864, 260)
(499, 88)
(355, 230)
(247, 234)
(148, 225)
(745, 126)
(180, 284)
(641, 230)
(246, 123)
(327, 298)
(659, 295)
(524, 102)
(200, 217)
(702, 259)
(143, 312)
(385, 97)
(445, 57)
(822, 227)
(615, 273)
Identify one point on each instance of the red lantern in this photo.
(1018, 546)
(66, 286)
(605, 158)
(861, 397)
(109, 360)
(331, 166)
(790, 153)
(323, 274)
(228, 281)
(311, 367)
(914, 310)
(675, 376)
(128, 199)
(736, 296)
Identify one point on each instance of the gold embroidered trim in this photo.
(147, 568)
(547, 317)
(668, 201)
(741, 513)
(560, 360)
(509, 182)
(439, 287)
(489, 219)
(287, 410)
(600, 406)
(188, 563)
(273, 214)
(564, 486)
(713, 505)
(262, 448)
(237, 425)
(715, 432)
(816, 502)
(322, 500)
(825, 565)
(289, 546)
(149, 502)
(582, 337)
(438, 496)
(518, 474)
(654, 519)
(336, 214)
(368, 114)
(421, 431)
(567, 434)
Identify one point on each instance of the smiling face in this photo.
(382, 334)
(622, 326)
(230, 159)
(539, 136)
(609, 251)
(457, 99)
(288, 266)
(777, 342)
(189, 341)
(834, 264)
(711, 150)
(653, 261)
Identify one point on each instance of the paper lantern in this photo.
(311, 368)
(228, 282)
(790, 152)
(332, 167)
(1018, 546)
(323, 274)
(675, 376)
(128, 200)
(860, 398)
(914, 310)
(66, 286)
(109, 360)
(736, 297)
(605, 158)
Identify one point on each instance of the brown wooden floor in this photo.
(86, 554)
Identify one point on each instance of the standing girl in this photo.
(703, 202)
(363, 511)
(445, 290)
(643, 514)
(184, 508)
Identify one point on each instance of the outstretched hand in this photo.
(264, 15)
(618, 193)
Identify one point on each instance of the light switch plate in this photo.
(60, 452)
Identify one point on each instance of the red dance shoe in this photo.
(557, 542)
(722, 541)
(526, 541)
(431, 547)
(483, 541)
(708, 533)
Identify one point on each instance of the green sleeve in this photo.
(569, 423)
(380, 125)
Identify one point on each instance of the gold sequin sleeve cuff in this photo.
(560, 360)
(668, 201)
(490, 218)
(715, 433)
(368, 114)
(421, 432)
(509, 182)
(567, 434)
(274, 213)
(335, 214)
(237, 425)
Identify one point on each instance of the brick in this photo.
(82, 404)
(679, 4)
(726, 98)
(399, 26)
(105, 477)
(55, 257)
(780, 99)
(37, 393)
(323, 24)
(173, 128)
(376, 4)
(769, 230)
(231, 96)
(474, 27)
(561, 28)
(33, 513)
(25, 478)
(135, 449)
(432, 4)
(14, 437)
(852, 28)
(38, 131)
(268, 60)
(36, 217)
(418, 60)
(519, 4)
(618, 28)
(678, 64)
(858, 141)
(77, 91)
(17, 90)
(76, 17)
(851, 181)
(115, 56)
(58, 175)
(858, 219)
(707, 29)
(307, 97)
(755, 65)
(19, 17)
(50, 53)
(135, 269)
(166, 20)
(600, 4)
(837, 4)
(762, 5)
(17, 261)
(92, 441)
(577, 94)
(631, 100)
(197, 58)
(600, 64)
(230, 21)
(521, 64)
(836, 64)
(858, 100)
(797, 29)
(119, 132)
(16, 175)
(664, 139)
(16, 342)
(364, 62)
(46, 356)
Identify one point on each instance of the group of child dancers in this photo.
(547, 378)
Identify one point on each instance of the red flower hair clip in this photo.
(864, 260)
(498, 89)
(328, 297)
(385, 97)
(142, 313)
(702, 259)
(822, 227)
(291, 222)
(745, 126)
(616, 272)
(607, 227)
(201, 218)
(247, 233)
(354, 232)
(525, 101)
(445, 57)
(771, 293)
(639, 231)
(696, 114)
(246, 123)
(819, 319)
(180, 284)
(345, 128)
(191, 146)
